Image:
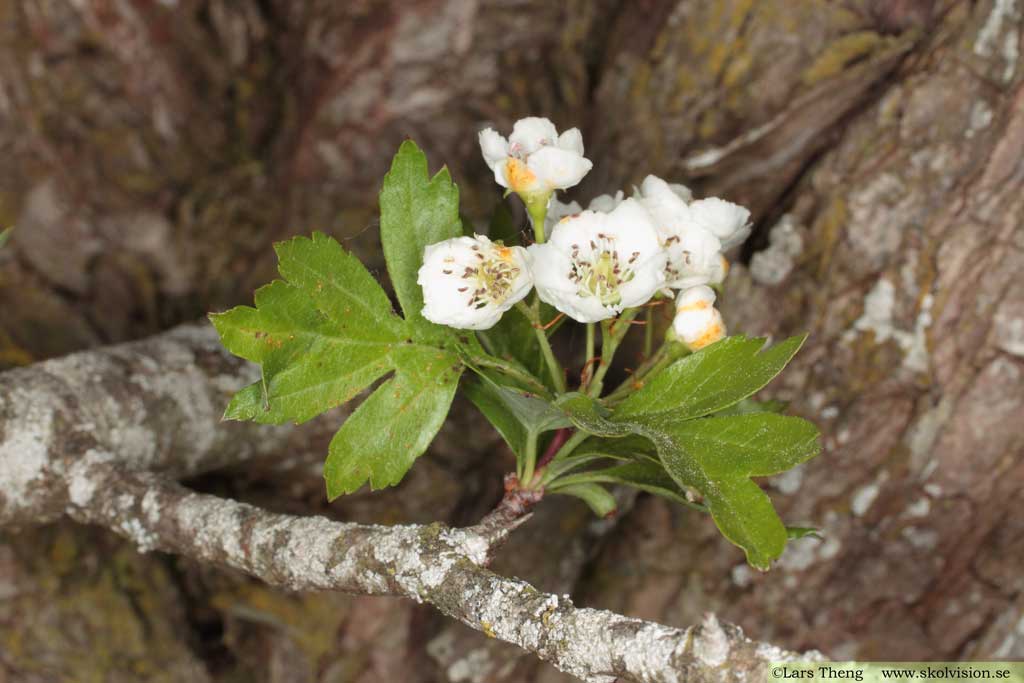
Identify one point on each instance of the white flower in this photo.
(468, 282)
(535, 159)
(692, 232)
(697, 323)
(727, 221)
(596, 264)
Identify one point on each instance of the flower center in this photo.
(601, 272)
(490, 281)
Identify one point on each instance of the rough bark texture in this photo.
(436, 564)
(161, 146)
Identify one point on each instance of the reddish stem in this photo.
(557, 441)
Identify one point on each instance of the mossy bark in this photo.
(161, 148)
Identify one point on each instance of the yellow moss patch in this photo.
(840, 53)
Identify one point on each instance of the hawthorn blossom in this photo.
(692, 232)
(697, 323)
(535, 160)
(597, 264)
(469, 282)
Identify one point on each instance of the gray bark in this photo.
(107, 479)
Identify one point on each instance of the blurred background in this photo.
(153, 150)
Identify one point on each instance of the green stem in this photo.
(587, 372)
(537, 208)
(530, 460)
(554, 367)
(510, 370)
(612, 333)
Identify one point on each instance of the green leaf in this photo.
(415, 211)
(591, 417)
(321, 336)
(597, 497)
(517, 415)
(748, 406)
(717, 457)
(387, 432)
(4, 236)
(324, 334)
(711, 379)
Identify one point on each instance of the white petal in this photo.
(694, 258)
(632, 227)
(571, 141)
(558, 169)
(605, 202)
(725, 220)
(530, 134)
(494, 147)
(681, 191)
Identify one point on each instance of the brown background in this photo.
(152, 151)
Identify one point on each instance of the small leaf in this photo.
(517, 415)
(321, 337)
(597, 497)
(643, 474)
(4, 236)
(415, 211)
(711, 379)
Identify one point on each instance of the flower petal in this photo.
(494, 147)
(530, 134)
(571, 141)
(558, 169)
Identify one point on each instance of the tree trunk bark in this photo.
(161, 147)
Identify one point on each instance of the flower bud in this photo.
(697, 323)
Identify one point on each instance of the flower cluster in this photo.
(589, 264)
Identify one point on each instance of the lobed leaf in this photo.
(327, 331)
(416, 210)
(717, 456)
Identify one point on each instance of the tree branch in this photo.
(434, 564)
(98, 434)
